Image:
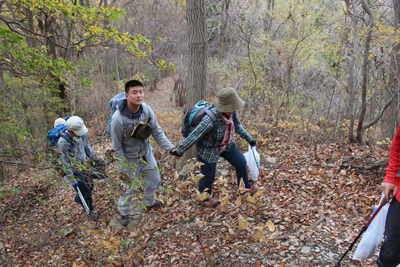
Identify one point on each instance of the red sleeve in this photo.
(394, 161)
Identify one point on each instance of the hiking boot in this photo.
(156, 204)
(210, 203)
(253, 189)
(94, 215)
(124, 220)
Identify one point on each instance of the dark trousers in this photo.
(235, 158)
(86, 188)
(390, 251)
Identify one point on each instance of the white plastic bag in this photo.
(253, 161)
(372, 237)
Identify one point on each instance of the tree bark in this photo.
(360, 130)
(197, 42)
(224, 23)
(197, 62)
(351, 82)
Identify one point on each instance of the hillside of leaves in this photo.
(315, 201)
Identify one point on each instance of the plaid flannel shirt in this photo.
(207, 140)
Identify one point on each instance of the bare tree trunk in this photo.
(110, 63)
(351, 82)
(197, 63)
(390, 121)
(224, 23)
(360, 129)
(197, 42)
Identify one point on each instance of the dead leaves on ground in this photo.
(307, 185)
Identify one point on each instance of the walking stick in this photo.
(85, 206)
(383, 203)
(263, 157)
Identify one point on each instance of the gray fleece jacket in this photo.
(129, 147)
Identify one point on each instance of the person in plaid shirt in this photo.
(212, 144)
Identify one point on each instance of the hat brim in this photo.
(231, 107)
(82, 131)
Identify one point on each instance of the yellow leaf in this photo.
(200, 164)
(243, 223)
(259, 192)
(224, 201)
(251, 199)
(185, 183)
(259, 232)
(224, 191)
(158, 197)
(198, 178)
(202, 196)
(242, 187)
(226, 224)
(192, 175)
(238, 201)
(222, 180)
(271, 226)
(169, 202)
(200, 223)
(176, 176)
(191, 167)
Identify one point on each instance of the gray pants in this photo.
(151, 178)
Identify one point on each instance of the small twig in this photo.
(198, 241)
(321, 218)
(25, 164)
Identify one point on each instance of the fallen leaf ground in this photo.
(316, 200)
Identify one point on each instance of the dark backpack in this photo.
(195, 114)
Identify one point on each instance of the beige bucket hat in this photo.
(228, 100)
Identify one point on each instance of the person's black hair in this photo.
(132, 83)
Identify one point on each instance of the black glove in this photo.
(253, 142)
(175, 153)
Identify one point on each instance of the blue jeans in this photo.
(235, 158)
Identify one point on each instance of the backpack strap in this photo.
(213, 131)
(213, 117)
(146, 110)
(69, 140)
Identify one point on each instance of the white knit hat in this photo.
(59, 121)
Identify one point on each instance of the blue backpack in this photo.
(113, 107)
(54, 134)
(195, 114)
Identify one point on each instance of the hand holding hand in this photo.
(173, 152)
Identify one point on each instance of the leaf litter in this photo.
(311, 199)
